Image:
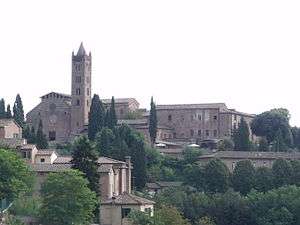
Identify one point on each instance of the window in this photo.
(24, 155)
(88, 91)
(235, 117)
(148, 211)
(192, 133)
(199, 132)
(78, 79)
(42, 160)
(174, 135)
(77, 91)
(215, 117)
(199, 117)
(16, 135)
(52, 135)
(125, 212)
(169, 117)
(165, 136)
(87, 103)
(207, 133)
(215, 133)
(77, 102)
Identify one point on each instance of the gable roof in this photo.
(106, 160)
(128, 199)
(58, 95)
(120, 101)
(7, 122)
(47, 167)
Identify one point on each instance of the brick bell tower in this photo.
(81, 89)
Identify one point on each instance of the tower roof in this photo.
(81, 50)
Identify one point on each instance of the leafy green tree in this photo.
(15, 176)
(205, 221)
(278, 145)
(67, 200)
(85, 159)
(268, 123)
(41, 140)
(193, 175)
(243, 177)
(8, 112)
(2, 109)
(169, 215)
(263, 145)
(104, 142)
(96, 117)
(152, 122)
(241, 137)
(296, 137)
(263, 179)
(191, 155)
(18, 111)
(282, 172)
(296, 172)
(226, 145)
(216, 175)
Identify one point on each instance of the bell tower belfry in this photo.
(81, 89)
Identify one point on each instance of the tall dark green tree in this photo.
(8, 112)
(216, 176)
(85, 159)
(96, 117)
(112, 114)
(282, 172)
(243, 177)
(296, 172)
(2, 109)
(104, 142)
(41, 140)
(241, 137)
(18, 111)
(153, 122)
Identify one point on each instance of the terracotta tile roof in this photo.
(57, 94)
(46, 167)
(27, 146)
(193, 106)
(120, 101)
(46, 152)
(128, 199)
(134, 122)
(62, 159)
(7, 122)
(106, 160)
(252, 155)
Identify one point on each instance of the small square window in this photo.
(215, 117)
(199, 132)
(125, 212)
(42, 160)
(207, 133)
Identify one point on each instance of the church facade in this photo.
(65, 116)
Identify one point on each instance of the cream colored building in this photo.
(117, 201)
(10, 133)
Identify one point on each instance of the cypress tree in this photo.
(96, 117)
(152, 122)
(8, 112)
(41, 140)
(104, 142)
(241, 137)
(19, 111)
(2, 109)
(85, 159)
(112, 114)
(32, 136)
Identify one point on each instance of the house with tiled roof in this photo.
(115, 182)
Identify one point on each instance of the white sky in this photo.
(243, 53)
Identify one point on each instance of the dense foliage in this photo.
(15, 176)
(67, 200)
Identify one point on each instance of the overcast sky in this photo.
(243, 53)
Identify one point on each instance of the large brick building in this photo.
(66, 116)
